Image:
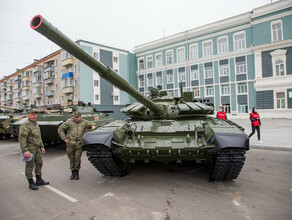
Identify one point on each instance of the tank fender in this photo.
(227, 140)
(104, 138)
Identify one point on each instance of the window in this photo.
(169, 57)
(240, 67)
(116, 98)
(182, 76)
(150, 80)
(96, 97)
(242, 108)
(141, 82)
(170, 93)
(158, 79)
(194, 74)
(209, 91)
(277, 31)
(209, 72)
(208, 48)
(149, 62)
(116, 59)
(96, 55)
(158, 60)
(141, 64)
(56, 89)
(224, 70)
(181, 57)
(226, 108)
(281, 101)
(96, 82)
(62, 98)
(67, 82)
(280, 68)
(65, 55)
(222, 45)
(239, 41)
(242, 88)
(194, 52)
(225, 90)
(56, 74)
(169, 78)
(75, 98)
(196, 92)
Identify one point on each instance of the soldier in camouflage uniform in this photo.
(31, 142)
(71, 132)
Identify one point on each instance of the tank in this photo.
(159, 128)
(7, 117)
(50, 120)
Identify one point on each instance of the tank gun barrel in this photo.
(41, 25)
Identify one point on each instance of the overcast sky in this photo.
(118, 23)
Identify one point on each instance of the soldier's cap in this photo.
(33, 110)
(77, 114)
(26, 159)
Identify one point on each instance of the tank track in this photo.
(227, 164)
(101, 158)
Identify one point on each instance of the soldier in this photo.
(71, 132)
(32, 144)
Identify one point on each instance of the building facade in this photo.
(59, 77)
(237, 63)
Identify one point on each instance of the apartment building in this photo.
(238, 63)
(58, 77)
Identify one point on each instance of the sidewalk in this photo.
(275, 133)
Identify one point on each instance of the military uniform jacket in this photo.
(73, 131)
(30, 136)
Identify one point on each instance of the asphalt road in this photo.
(263, 190)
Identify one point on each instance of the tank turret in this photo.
(160, 128)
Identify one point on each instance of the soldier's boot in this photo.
(76, 175)
(40, 181)
(72, 177)
(32, 185)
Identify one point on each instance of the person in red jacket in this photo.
(221, 114)
(255, 123)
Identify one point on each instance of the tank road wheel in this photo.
(7, 136)
(102, 159)
(227, 164)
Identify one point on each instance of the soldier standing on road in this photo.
(255, 123)
(32, 145)
(71, 132)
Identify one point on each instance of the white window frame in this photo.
(149, 60)
(243, 107)
(182, 76)
(207, 51)
(272, 31)
(171, 57)
(195, 74)
(196, 92)
(208, 72)
(241, 88)
(181, 57)
(223, 49)
(208, 90)
(282, 100)
(141, 82)
(139, 66)
(158, 77)
(224, 70)
(150, 81)
(225, 89)
(280, 68)
(169, 77)
(237, 45)
(277, 55)
(241, 66)
(194, 54)
(158, 63)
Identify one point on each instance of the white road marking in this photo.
(71, 199)
(60, 193)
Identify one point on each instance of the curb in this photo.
(270, 148)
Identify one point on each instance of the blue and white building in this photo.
(239, 62)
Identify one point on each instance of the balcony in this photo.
(37, 95)
(68, 62)
(49, 80)
(25, 98)
(25, 88)
(37, 69)
(49, 69)
(18, 99)
(69, 89)
(49, 93)
(4, 85)
(25, 78)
